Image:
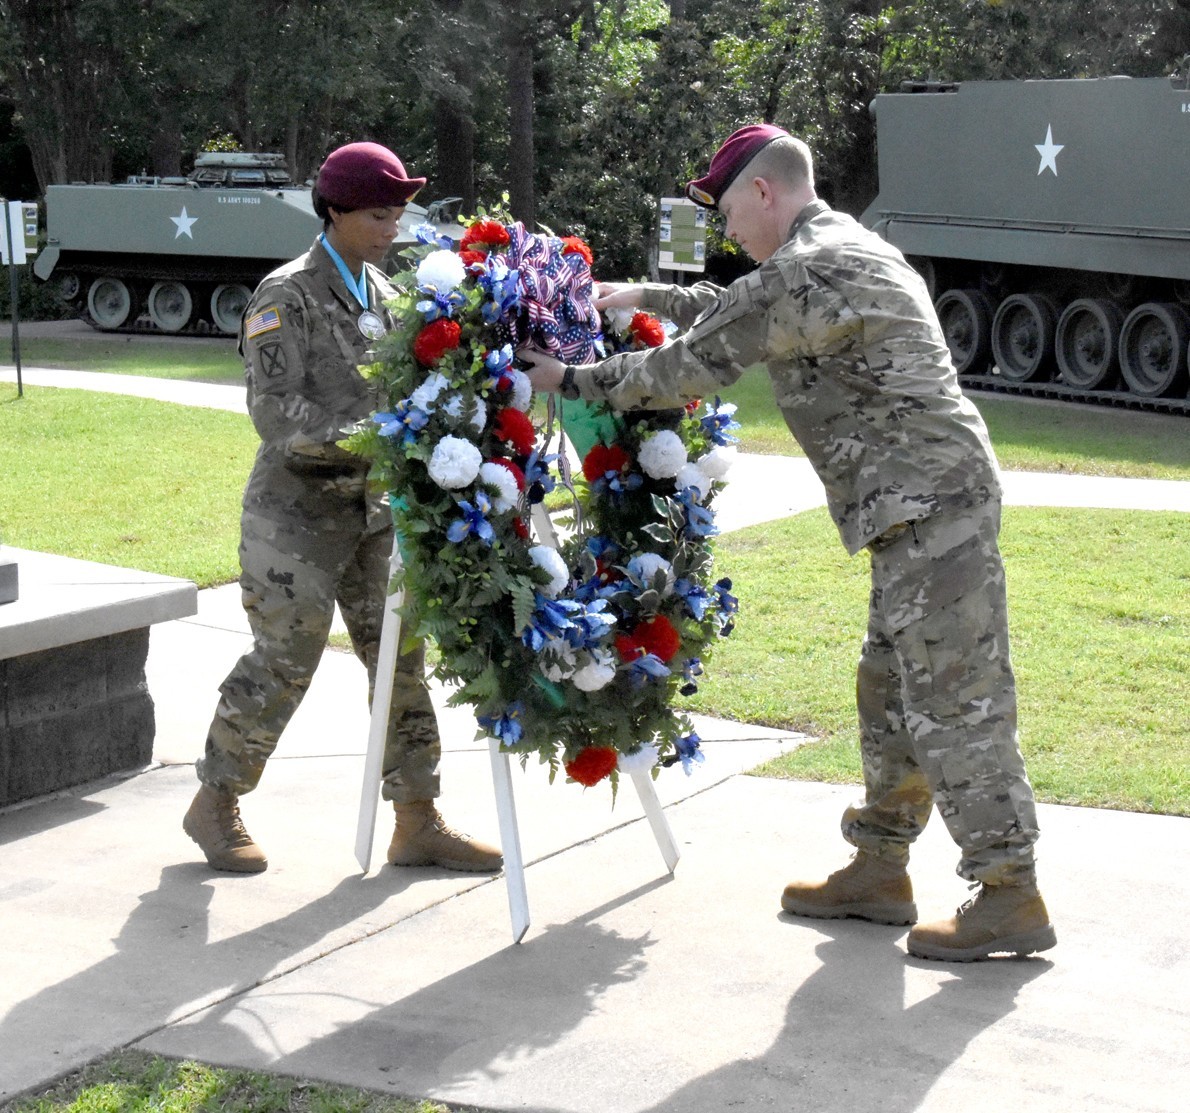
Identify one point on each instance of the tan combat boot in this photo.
(869, 888)
(422, 838)
(1002, 919)
(213, 822)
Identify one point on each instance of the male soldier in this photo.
(864, 380)
(312, 534)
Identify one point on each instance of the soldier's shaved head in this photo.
(785, 160)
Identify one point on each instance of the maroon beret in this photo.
(365, 176)
(737, 151)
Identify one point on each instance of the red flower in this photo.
(572, 245)
(517, 474)
(602, 459)
(489, 233)
(692, 406)
(435, 340)
(592, 764)
(646, 330)
(520, 529)
(514, 428)
(655, 635)
(473, 258)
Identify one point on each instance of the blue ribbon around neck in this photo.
(357, 286)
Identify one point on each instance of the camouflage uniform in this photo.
(311, 534)
(864, 380)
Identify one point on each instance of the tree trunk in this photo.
(455, 133)
(521, 158)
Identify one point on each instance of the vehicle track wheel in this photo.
(170, 305)
(1153, 343)
(1023, 337)
(109, 301)
(1087, 343)
(966, 319)
(69, 286)
(227, 306)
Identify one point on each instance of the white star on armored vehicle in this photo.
(1048, 151)
(183, 223)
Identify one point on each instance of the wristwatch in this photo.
(569, 388)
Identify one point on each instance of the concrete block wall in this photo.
(74, 714)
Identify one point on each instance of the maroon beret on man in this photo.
(365, 176)
(737, 151)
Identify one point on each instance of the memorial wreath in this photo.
(577, 652)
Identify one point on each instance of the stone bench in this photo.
(74, 702)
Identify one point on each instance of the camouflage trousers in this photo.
(937, 699)
(291, 579)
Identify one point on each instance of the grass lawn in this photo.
(1100, 631)
(124, 481)
(1028, 434)
(132, 1082)
(202, 359)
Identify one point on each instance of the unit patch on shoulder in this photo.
(265, 321)
(272, 360)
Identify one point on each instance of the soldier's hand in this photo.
(545, 372)
(618, 295)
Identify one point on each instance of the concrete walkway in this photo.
(634, 990)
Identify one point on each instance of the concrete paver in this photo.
(633, 990)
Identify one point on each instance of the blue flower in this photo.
(440, 304)
(590, 625)
(691, 670)
(498, 364)
(700, 522)
(406, 421)
(688, 751)
(506, 727)
(426, 233)
(538, 480)
(646, 666)
(550, 621)
(502, 287)
(726, 605)
(718, 422)
(474, 521)
(695, 596)
(616, 484)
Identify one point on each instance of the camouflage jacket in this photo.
(302, 346)
(859, 365)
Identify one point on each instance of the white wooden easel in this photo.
(510, 838)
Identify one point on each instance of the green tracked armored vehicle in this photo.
(1051, 221)
(178, 255)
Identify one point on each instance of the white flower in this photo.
(692, 475)
(427, 394)
(443, 270)
(717, 463)
(550, 562)
(454, 463)
(618, 320)
(643, 758)
(453, 406)
(662, 455)
(646, 567)
(521, 393)
(479, 415)
(498, 476)
(598, 673)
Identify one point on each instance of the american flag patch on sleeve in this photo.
(264, 321)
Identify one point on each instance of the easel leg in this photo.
(510, 842)
(382, 698)
(656, 815)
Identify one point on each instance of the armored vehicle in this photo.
(178, 255)
(1051, 222)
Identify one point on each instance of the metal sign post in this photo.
(15, 210)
